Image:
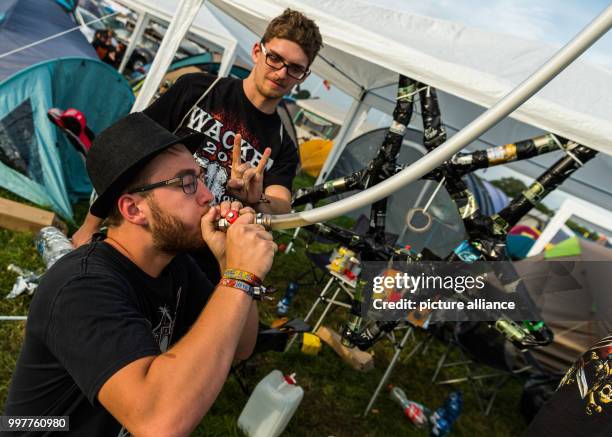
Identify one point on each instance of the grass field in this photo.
(335, 394)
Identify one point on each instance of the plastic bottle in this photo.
(453, 406)
(416, 413)
(271, 406)
(52, 244)
(439, 425)
(444, 417)
(283, 305)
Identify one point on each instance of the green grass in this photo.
(335, 394)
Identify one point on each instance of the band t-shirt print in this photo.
(222, 113)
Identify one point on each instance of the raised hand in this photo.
(246, 182)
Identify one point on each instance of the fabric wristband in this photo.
(242, 275)
(240, 285)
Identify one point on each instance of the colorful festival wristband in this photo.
(242, 275)
(240, 285)
(256, 292)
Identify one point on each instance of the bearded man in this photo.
(127, 335)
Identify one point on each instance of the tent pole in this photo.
(348, 127)
(227, 60)
(180, 24)
(139, 28)
(598, 27)
(569, 208)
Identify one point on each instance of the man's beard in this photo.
(170, 234)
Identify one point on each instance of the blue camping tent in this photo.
(36, 161)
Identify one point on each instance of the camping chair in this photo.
(478, 345)
(318, 261)
(268, 339)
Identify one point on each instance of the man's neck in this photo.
(265, 105)
(139, 249)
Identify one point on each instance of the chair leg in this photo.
(312, 309)
(390, 367)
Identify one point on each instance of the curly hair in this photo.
(295, 26)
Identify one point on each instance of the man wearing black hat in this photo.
(126, 335)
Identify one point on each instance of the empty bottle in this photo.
(453, 406)
(52, 244)
(416, 413)
(439, 425)
(444, 417)
(282, 308)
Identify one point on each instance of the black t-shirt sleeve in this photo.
(285, 165)
(105, 327)
(170, 108)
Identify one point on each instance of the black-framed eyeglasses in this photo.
(188, 182)
(278, 63)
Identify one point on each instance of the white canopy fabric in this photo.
(365, 46)
(204, 25)
(201, 24)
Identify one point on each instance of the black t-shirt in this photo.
(95, 312)
(220, 115)
(582, 405)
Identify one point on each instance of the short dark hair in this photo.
(295, 26)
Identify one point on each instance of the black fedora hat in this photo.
(121, 150)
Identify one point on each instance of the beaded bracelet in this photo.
(242, 275)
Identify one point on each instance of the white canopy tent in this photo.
(365, 46)
(196, 20)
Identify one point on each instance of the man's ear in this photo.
(131, 208)
(255, 51)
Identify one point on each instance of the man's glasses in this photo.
(188, 182)
(277, 62)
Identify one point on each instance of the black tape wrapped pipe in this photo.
(547, 182)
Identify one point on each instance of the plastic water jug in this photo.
(271, 406)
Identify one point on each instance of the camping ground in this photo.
(335, 394)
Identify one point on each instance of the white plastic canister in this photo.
(271, 406)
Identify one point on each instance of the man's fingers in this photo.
(235, 184)
(236, 153)
(248, 175)
(265, 235)
(207, 222)
(242, 168)
(261, 166)
(228, 206)
(247, 209)
(246, 219)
